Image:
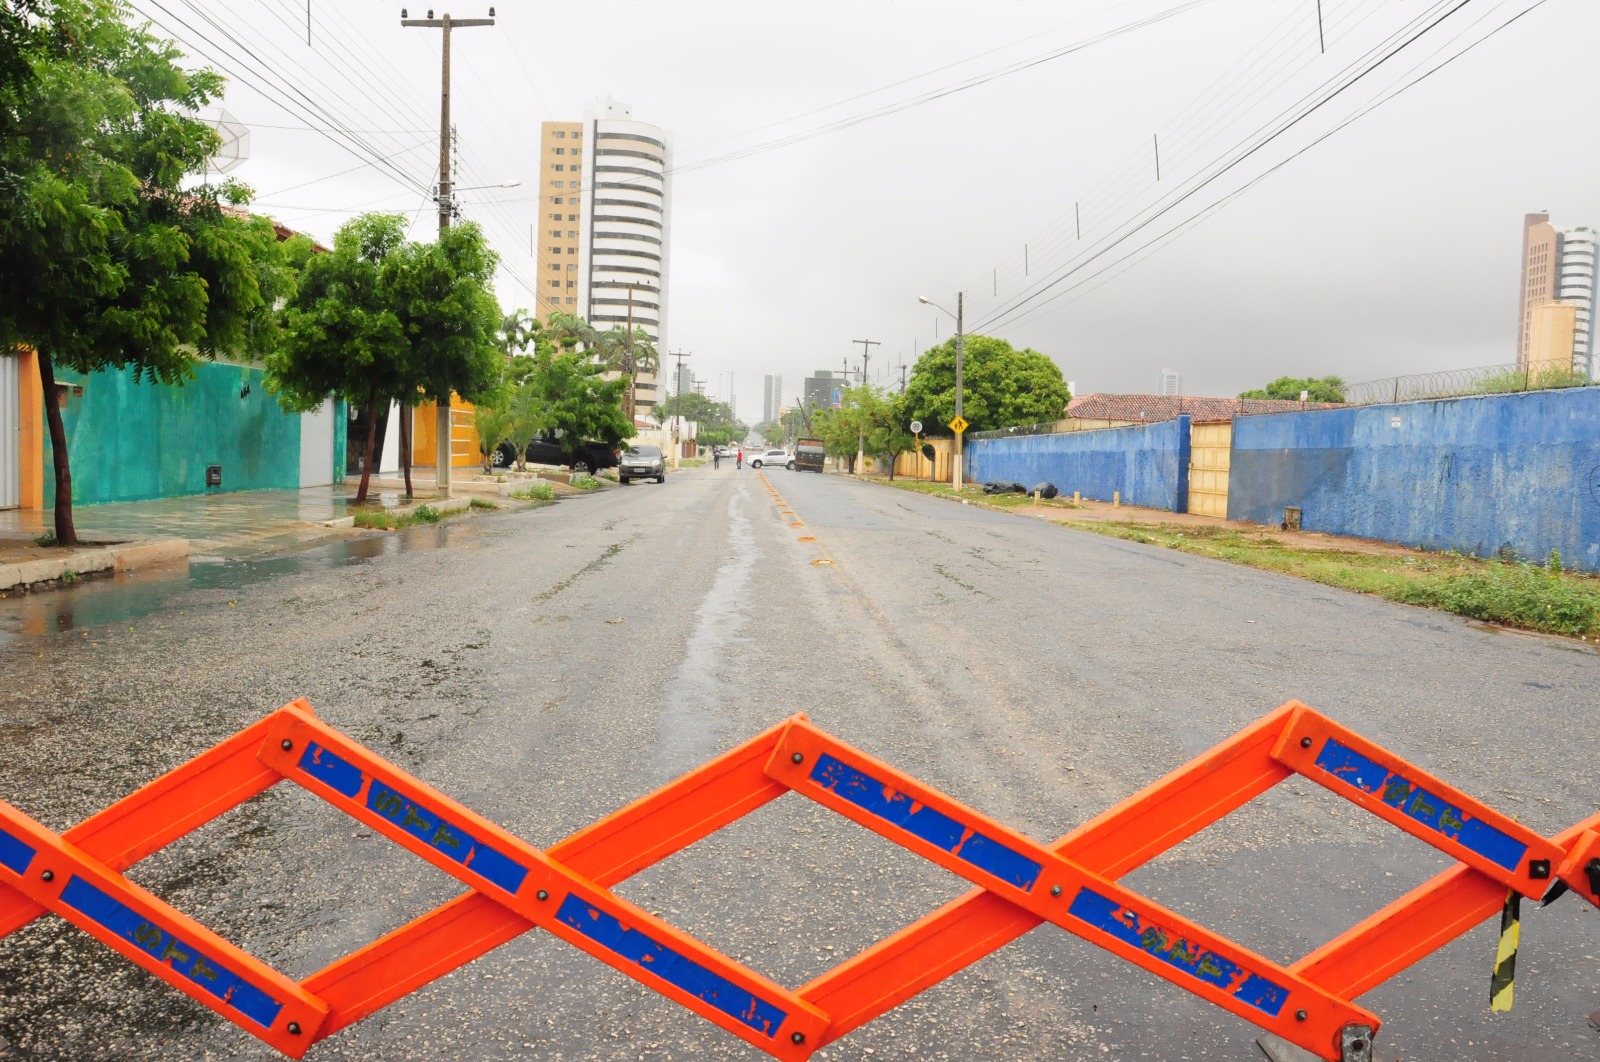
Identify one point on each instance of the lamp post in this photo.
(955, 478)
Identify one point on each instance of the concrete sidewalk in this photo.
(228, 526)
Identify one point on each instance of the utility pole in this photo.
(677, 442)
(961, 298)
(446, 203)
(861, 429)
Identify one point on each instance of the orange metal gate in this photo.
(513, 887)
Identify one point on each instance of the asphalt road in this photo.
(547, 667)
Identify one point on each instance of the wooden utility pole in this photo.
(444, 455)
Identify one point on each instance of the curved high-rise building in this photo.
(605, 224)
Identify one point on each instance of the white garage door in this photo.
(10, 435)
(316, 447)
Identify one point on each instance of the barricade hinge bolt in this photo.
(797, 758)
(286, 744)
(48, 875)
(1355, 1043)
(797, 1038)
(1055, 890)
(294, 1028)
(1300, 1015)
(1592, 868)
(1538, 868)
(541, 894)
(1305, 743)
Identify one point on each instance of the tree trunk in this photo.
(405, 446)
(372, 435)
(66, 534)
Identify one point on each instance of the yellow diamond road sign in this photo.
(958, 425)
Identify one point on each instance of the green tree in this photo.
(450, 319)
(578, 404)
(107, 259)
(616, 352)
(1002, 386)
(342, 336)
(1288, 389)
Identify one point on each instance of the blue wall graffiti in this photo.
(1148, 464)
(1518, 473)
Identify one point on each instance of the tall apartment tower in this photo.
(1171, 382)
(1558, 266)
(771, 397)
(605, 226)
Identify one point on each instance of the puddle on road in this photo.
(688, 729)
(127, 596)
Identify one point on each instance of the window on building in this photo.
(577, 135)
(555, 217)
(555, 283)
(570, 301)
(555, 267)
(561, 151)
(556, 233)
(561, 134)
(572, 235)
(572, 250)
(572, 267)
(558, 184)
(559, 167)
(555, 250)
(572, 217)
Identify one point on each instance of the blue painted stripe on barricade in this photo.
(15, 854)
(181, 956)
(427, 826)
(1110, 917)
(935, 827)
(649, 954)
(1346, 765)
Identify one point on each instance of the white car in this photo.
(775, 458)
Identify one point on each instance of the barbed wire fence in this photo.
(1462, 383)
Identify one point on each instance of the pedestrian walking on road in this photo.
(716, 457)
(740, 463)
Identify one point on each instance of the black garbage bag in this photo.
(1045, 489)
(1003, 486)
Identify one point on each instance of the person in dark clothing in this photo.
(716, 457)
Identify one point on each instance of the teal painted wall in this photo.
(341, 438)
(129, 441)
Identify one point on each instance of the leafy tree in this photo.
(1288, 388)
(1002, 386)
(450, 318)
(491, 417)
(342, 335)
(615, 353)
(107, 260)
(577, 402)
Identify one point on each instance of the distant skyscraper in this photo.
(604, 223)
(771, 397)
(1171, 382)
(1558, 265)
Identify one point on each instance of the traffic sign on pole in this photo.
(958, 425)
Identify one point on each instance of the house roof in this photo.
(1169, 407)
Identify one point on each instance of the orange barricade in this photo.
(513, 886)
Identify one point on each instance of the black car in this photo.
(642, 462)
(588, 457)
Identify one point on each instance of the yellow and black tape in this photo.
(1502, 986)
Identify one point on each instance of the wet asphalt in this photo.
(547, 667)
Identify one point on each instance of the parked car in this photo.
(552, 450)
(777, 458)
(642, 462)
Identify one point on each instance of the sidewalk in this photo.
(227, 526)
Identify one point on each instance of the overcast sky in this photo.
(1391, 247)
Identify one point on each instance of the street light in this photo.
(955, 478)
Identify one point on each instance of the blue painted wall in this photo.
(128, 441)
(1516, 472)
(1148, 464)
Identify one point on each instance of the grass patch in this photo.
(584, 482)
(534, 492)
(484, 503)
(46, 539)
(1526, 596)
(386, 520)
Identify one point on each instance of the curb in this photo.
(116, 558)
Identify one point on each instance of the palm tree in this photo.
(616, 351)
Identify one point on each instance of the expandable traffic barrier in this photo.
(565, 890)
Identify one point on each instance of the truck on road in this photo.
(808, 455)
